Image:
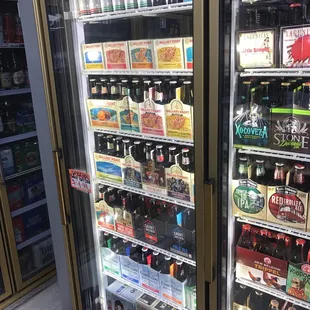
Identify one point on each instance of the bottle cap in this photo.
(144, 249)
(299, 167)
(187, 82)
(147, 82)
(285, 84)
(179, 263)
(246, 227)
(300, 242)
(135, 81)
(306, 84)
(274, 303)
(243, 159)
(159, 146)
(186, 150)
(246, 82)
(260, 161)
(124, 81)
(92, 80)
(137, 142)
(167, 257)
(126, 141)
(155, 253)
(264, 232)
(157, 82)
(173, 82)
(279, 164)
(295, 5)
(264, 83)
(259, 293)
(134, 245)
(172, 148)
(280, 236)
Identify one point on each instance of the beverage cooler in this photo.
(128, 116)
(27, 256)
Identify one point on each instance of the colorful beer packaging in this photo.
(105, 215)
(124, 114)
(132, 172)
(141, 54)
(103, 113)
(294, 47)
(188, 52)
(256, 49)
(130, 269)
(93, 56)
(134, 114)
(116, 55)
(149, 279)
(169, 54)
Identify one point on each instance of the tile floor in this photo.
(40, 299)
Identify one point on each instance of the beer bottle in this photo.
(119, 147)
(148, 151)
(160, 156)
(260, 173)
(5, 74)
(273, 93)
(93, 90)
(243, 168)
(101, 190)
(188, 219)
(137, 151)
(106, 240)
(172, 156)
(115, 244)
(246, 94)
(264, 246)
(142, 209)
(265, 99)
(187, 97)
(137, 94)
(295, 14)
(135, 252)
(98, 89)
(110, 145)
(245, 240)
(124, 88)
(241, 295)
(155, 262)
(298, 254)
(101, 143)
(286, 95)
(126, 146)
(144, 256)
(159, 95)
(167, 264)
(18, 80)
(146, 92)
(8, 118)
(288, 246)
(104, 88)
(180, 271)
(305, 96)
(124, 248)
(279, 175)
(172, 90)
(274, 304)
(114, 89)
(185, 161)
(279, 251)
(299, 178)
(256, 300)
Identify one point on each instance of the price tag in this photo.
(80, 180)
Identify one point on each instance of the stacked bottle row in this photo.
(274, 259)
(11, 30)
(161, 275)
(272, 190)
(159, 107)
(163, 224)
(249, 299)
(273, 113)
(159, 168)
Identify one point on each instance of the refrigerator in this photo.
(127, 118)
(27, 256)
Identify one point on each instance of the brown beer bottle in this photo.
(299, 181)
(245, 240)
(264, 245)
(279, 175)
(274, 305)
(279, 251)
(243, 168)
(298, 254)
(260, 173)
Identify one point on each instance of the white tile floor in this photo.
(46, 299)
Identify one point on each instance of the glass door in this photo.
(266, 154)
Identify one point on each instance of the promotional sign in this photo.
(80, 180)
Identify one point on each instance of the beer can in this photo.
(131, 4)
(94, 6)
(18, 30)
(8, 28)
(84, 7)
(1, 28)
(107, 5)
(119, 5)
(7, 161)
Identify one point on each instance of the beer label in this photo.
(181, 245)
(124, 222)
(93, 56)
(116, 54)
(188, 50)
(110, 261)
(251, 125)
(256, 49)
(288, 206)
(6, 79)
(134, 116)
(124, 114)
(132, 171)
(290, 129)
(178, 291)
(295, 49)
(249, 199)
(130, 269)
(105, 215)
(18, 78)
(103, 113)
(166, 286)
(150, 232)
(141, 54)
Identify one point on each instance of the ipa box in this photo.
(93, 56)
(141, 54)
(116, 55)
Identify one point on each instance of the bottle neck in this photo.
(299, 178)
(260, 170)
(279, 174)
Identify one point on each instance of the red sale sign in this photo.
(80, 180)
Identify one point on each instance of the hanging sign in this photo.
(80, 180)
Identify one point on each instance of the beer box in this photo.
(114, 299)
(153, 178)
(93, 56)
(116, 55)
(169, 54)
(178, 118)
(149, 279)
(162, 305)
(134, 116)
(295, 51)
(105, 215)
(42, 252)
(146, 302)
(108, 167)
(179, 183)
(188, 52)
(33, 189)
(172, 289)
(152, 118)
(130, 295)
(18, 227)
(126, 222)
(289, 129)
(132, 172)
(124, 114)
(298, 281)
(103, 113)
(141, 54)
(261, 268)
(249, 199)
(14, 195)
(110, 261)
(256, 49)
(130, 269)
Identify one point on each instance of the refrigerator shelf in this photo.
(274, 153)
(273, 226)
(276, 72)
(144, 136)
(29, 207)
(149, 246)
(143, 290)
(139, 191)
(185, 72)
(15, 175)
(18, 137)
(18, 91)
(12, 45)
(177, 7)
(33, 239)
(276, 293)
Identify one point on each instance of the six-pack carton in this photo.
(188, 52)
(141, 54)
(146, 302)
(130, 269)
(116, 55)
(149, 279)
(105, 215)
(93, 56)
(132, 172)
(124, 115)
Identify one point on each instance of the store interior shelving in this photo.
(15, 175)
(17, 91)
(34, 239)
(18, 137)
(29, 207)
(155, 72)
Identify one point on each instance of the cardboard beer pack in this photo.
(188, 52)
(295, 51)
(105, 215)
(130, 269)
(108, 167)
(261, 268)
(116, 55)
(123, 112)
(132, 172)
(146, 302)
(149, 279)
(141, 54)
(172, 289)
(103, 113)
(93, 56)
(152, 117)
(179, 118)
(289, 129)
(126, 223)
(134, 115)
(162, 305)
(110, 261)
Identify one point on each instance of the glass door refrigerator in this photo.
(127, 124)
(264, 107)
